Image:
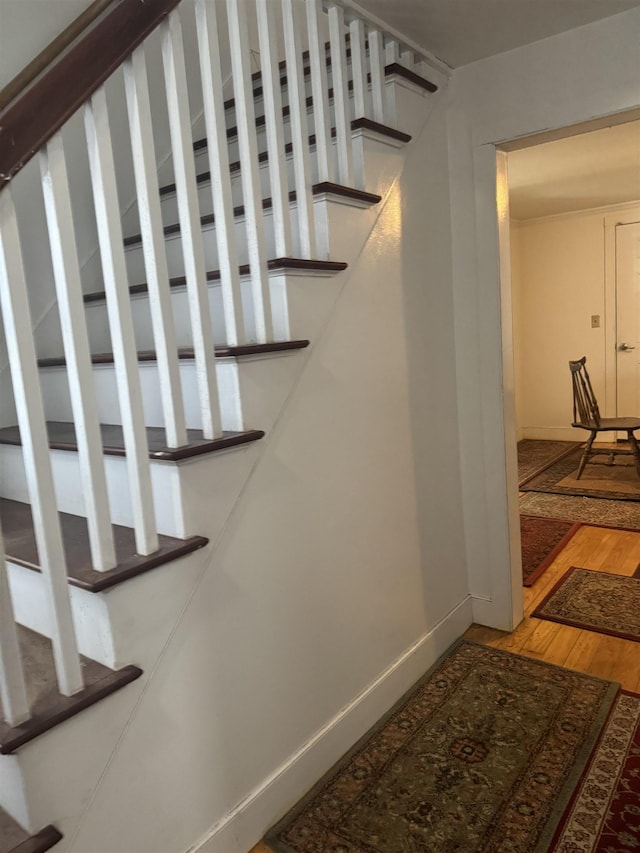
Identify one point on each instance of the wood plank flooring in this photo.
(597, 548)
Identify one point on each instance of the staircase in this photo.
(213, 236)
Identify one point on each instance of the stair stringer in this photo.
(256, 663)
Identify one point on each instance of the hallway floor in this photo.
(597, 548)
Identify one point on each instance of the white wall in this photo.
(573, 77)
(28, 26)
(560, 279)
(342, 565)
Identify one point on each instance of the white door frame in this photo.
(585, 74)
(620, 217)
(504, 607)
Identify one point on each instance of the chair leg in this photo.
(585, 455)
(634, 449)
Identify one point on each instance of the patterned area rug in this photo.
(534, 455)
(624, 515)
(542, 540)
(619, 481)
(605, 814)
(482, 755)
(597, 601)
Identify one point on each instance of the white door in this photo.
(628, 319)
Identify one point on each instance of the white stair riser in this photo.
(301, 305)
(69, 497)
(127, 623)
(381, 157)
(205, 198)
(173, 245)
(52, 777)
(97, 319)
(401, 111)
(98, 324)
(407, 107)
(246, 379)
(57, 401)
(117, 626)
(263, 382)
(90, 614)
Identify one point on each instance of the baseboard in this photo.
(245, 825)
(553, 433)
(486, 612)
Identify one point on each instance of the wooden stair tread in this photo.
(273, 265)
(48, 706)
(397, 70)
(346, 192)
(356, 124)
(393, 69)
(62, 435)
(14, 839)
(21, 548)
(267, 203)
(381, 129)
(187, 353)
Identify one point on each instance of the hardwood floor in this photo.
(597, 548)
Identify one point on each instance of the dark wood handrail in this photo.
(52, 51)
(32, 118)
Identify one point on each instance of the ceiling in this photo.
(462, 31)
(577, 173)
(580, 172)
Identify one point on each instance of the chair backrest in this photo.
(585, 405)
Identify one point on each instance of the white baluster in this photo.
(212, 83)
(13, 692)
(392, 51)
(125, 357)
(320, 91)
(341, 95)
(359, 68)
(299, 132)
(407, 58)
(16, 317)
(272, 95)
(376, 62)
(66, 271)
(155, 259)
(190, 227)
(248, 146)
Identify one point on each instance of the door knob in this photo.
(625, 347)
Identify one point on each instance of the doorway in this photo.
(562, 220)
(627, 298)
(573, 202)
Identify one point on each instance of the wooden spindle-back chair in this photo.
(586, 415)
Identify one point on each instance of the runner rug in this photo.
(534, 455)
(482, 754)
(597, 601)
(605, 814)
(542, 540)
(619, 481)
(624, 515)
